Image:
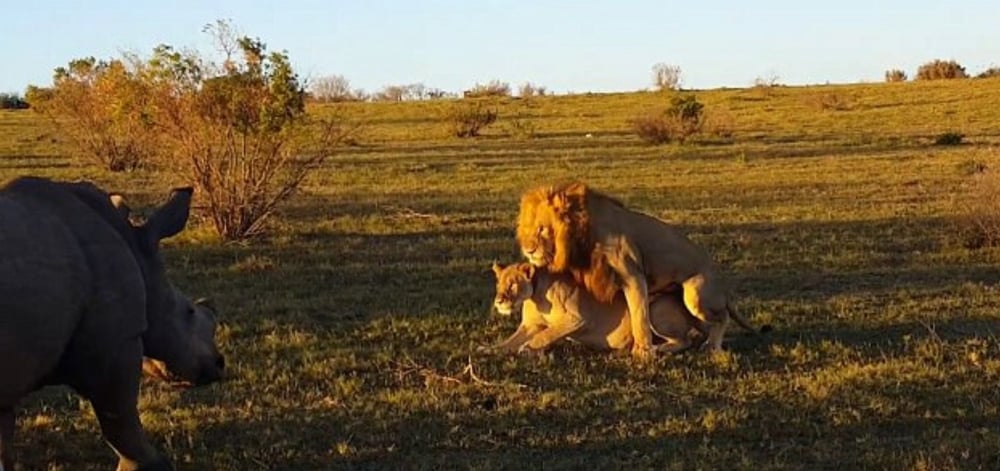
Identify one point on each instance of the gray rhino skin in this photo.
(83, 296)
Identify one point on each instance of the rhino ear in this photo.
(118, 201)
(170, 218)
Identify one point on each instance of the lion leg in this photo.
(709, 308)
(671, 322)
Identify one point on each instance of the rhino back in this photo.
(70, 288)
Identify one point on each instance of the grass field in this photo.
(351, 329)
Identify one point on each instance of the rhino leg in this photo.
(115, 402)
(6, 439)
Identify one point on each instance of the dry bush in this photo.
(720, 124)
(468, 118)
(678, 122)
(493, 88)
(766, 85)
(895, 75)
(666, 77)
(104, 108)
(830, 101)
(940, 70)
(528, 90)
(653, 127)
(979, 224)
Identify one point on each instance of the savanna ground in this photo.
(350, 329)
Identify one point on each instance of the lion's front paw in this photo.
(643, 352)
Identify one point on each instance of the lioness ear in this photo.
(528, 270)
(118, 201)
(497, 269)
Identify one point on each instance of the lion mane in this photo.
(566, 211)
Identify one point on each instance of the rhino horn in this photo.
(170, 218)
(207, 302)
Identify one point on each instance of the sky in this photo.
(562, 45)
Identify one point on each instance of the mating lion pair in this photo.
(579, 238)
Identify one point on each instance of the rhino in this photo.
(85, 302)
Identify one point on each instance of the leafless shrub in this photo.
(895, 75)
(333, 88)
(528, 89)
(493, 88)
(666, 77)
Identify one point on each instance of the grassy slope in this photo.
(350, 329)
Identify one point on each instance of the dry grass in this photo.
(351, 330)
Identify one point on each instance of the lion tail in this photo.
(744, 323)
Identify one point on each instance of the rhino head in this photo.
(179, 342)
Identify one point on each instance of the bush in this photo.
(940, 70)
(104, 108)
(12, 101)
(468, 118)
(895, 75)
(681, 120)
(493, 88)
(240, 131)
(949, 139)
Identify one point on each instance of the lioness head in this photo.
(513, 286)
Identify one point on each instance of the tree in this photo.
(239, 130)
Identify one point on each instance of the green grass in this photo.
(350, 330)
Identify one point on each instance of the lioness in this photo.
(607, 247)
(554, 306)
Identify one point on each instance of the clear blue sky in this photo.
(564, 45)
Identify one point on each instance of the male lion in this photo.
(554, 306)
(607, 247)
